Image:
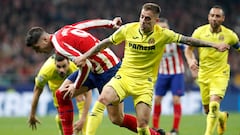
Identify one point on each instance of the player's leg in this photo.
(107, 96)
(117, 116)
(65, 111)
(143, 112)
(177, 87)
(218, 86)
(65, 105)
(212, 117)
(157, 109)
(161, 87)
(142, 96)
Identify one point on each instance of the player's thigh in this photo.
(177, 84)
(219, 85)
(162, 85)
(109, 95)
(204, 91)
(142, 91)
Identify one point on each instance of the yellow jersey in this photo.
(210, 59)
(49, 75)
(143, 52)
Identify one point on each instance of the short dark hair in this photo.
(33, 36)
(219, 7)
(59, 57)
(153, 7)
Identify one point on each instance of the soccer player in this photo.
(72, 41)
(213, 68)
(144, 47)
(53, 72)
(170, 77)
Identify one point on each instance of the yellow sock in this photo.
(95, 118)
(212, 117)
(143, 131)
(80, 106)
(59, 124)
(221, 115)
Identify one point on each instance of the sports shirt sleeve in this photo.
(91, 24)
(118, 36)
(43, 75)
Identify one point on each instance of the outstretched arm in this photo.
(98, 23)
(32, 118)
(81, 60)
(200, 43)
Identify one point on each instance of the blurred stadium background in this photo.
(20, 64)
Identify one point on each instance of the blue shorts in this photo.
(97, 80)
(175, 83)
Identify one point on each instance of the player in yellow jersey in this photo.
(144, 46)
(213, 68)
(53, 73)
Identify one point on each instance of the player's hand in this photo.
(117, 22)
(70, 91)
(80, 61)
(78, 125)
(193, 65)
(222, 47)
(33, 121)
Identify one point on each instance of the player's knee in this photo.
(103, 100)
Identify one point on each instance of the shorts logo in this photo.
(117, 77)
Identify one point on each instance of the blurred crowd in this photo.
(20, 64)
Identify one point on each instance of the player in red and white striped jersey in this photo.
(170, 77)
(72, 41)
(172, 61)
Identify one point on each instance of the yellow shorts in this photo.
(141, 89)
(213, 84)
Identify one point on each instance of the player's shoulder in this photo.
(203, 27)
(48, 66)
(226, 29)
(132, 25)
(72, 66)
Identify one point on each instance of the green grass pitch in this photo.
(190, 125)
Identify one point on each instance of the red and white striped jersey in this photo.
(172, 60)
(73, 40)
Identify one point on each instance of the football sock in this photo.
(59, 125)
(221, 115)
(130, 122)
(212, 117)
(65, 111)
(80, 106)
(156, 115)
(95, 118)
(177, 110)
(143, 131)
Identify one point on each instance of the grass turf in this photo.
(190, 125)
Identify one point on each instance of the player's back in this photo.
(73, 42)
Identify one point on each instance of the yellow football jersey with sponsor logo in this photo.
(49, 75)
(211, 60)
(143, 52)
